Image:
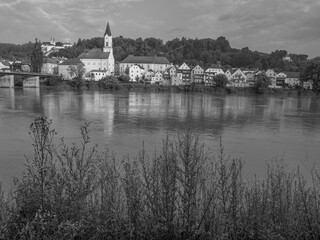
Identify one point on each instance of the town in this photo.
(96, 64)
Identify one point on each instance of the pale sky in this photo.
(263, 25)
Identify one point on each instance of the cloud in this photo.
(261, 24)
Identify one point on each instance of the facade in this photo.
(250, 78)
(50, 47)
(176, 80)
(281, 79)
(147, 62)
(100, 59)
(135, 73)
(148, 75)
(210, 73)
(4, 65)
(228, 73)
(49, 66)
(197, 74)
(238, 79)
(184, 72)
(292, 79)
(273, 76)
(63, 68)
(97, 75)
(158, 78)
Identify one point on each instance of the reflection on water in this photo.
(256, 128)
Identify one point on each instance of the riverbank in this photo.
(118, 86)
(184, 191)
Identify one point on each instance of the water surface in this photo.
(254, 128)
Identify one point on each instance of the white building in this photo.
(100, 59)
(153, 63)
(135, 73)
(97, 75)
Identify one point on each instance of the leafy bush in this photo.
(182, 192)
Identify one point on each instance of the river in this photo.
(257, 129)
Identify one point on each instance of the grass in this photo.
(183, 191)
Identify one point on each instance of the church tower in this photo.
(107, 47)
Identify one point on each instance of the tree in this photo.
(312, 72)
(77, 72)
(36, 57)
(220, 81)
(262, 83)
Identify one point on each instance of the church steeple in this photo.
(108, 31)
(107, 46)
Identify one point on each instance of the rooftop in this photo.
(145, 60)
(95, 53)
(71, 61)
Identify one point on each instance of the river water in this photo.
(257, 129)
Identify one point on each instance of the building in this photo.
(153, 63)
(64, 68)
(197, 74)
(97, 75)
(281, 79)
(238, 79)
(250, 77)
(184, 72)
(292, 79)
(135, 73)
(228, 73)
(50, 47)
(50, 66)
(148, 75)
(158, 78)
(210, 73)
(100, 59)
(176, 80)
(270, 73)
(4, 65)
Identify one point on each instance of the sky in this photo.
(262, 25)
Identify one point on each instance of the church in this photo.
(99, 62)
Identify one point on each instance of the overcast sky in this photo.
(263, 25)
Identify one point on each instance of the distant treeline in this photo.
(204, 52)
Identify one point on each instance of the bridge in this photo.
(30, 79)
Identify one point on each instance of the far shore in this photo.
(132, 86)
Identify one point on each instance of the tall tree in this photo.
(312, 72)
(36, 57)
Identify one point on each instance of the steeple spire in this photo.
(108, 31)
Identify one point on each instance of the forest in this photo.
(205, 52)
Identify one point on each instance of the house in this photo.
(4, 65)
(287, 58)
(292, 79)
(210, 73)
(184, 72)
(228, 73)
(176, 80)
(308, 84)
(238, 79)
(50, 66)
(135, 73)
(50, 47)
(270, 73)
(154, 63)
(158, 78)
(148, 75)
(197, 74)
(250, 77)
(281, 79)
(64, 68)
(100, 59)
(97, 75)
